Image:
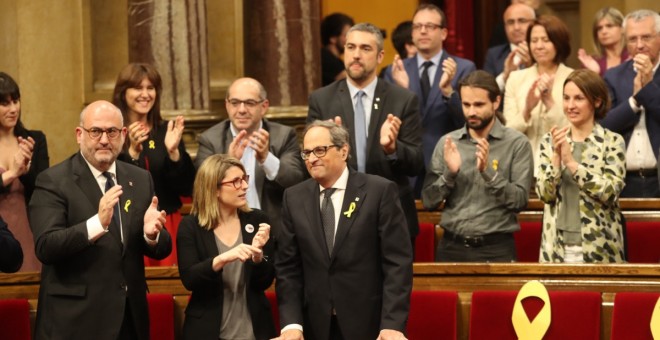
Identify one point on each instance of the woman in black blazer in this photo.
(225, 257)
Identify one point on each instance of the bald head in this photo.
(98, 106)
(241, 84)
(517, 17)
(246, 104)
(101, 134)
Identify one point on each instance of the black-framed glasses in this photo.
(429, 26)
(249, 103)
(237, 182)
(318, 151)
(96, 133)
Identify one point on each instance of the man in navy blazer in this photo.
(11, 253)
(349, 277)
(500, 60)
(635, 89)
(92, 236)
(441, 110)
(393, 146)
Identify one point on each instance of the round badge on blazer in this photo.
(249, 228)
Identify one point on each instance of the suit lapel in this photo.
(434, 93)
(312, 210)
(353, 199)
(86, 181)
(127, 186)
(377, 117)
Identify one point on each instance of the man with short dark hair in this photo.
(333, 38)
(483, 173)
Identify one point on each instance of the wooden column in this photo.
(172, 35)
(282, 48)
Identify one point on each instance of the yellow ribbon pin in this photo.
(495, 163)
(350, 210)
(152, 144)
(126, 205)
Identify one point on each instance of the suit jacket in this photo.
(86, 285)
(621, 118)
(367, 279)
(335, 100)
(495, 58)
(11, 254)
(438, 115)
(197, 249)
(283, 145)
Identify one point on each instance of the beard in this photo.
(358, 75)
(482, 122)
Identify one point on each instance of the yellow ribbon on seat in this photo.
(536, 329)
(655, 321)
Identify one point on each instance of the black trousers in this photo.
(637, 186)
(452, 251)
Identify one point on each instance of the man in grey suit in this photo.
(92, 236)
(389, 144)
(269, 151)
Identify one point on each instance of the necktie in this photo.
(425, 81)
(360, 132)
(115, 224)
(328, 218)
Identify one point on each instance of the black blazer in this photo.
(85, 286)
(335, 100)
(39, 161)
(11, 254)
(196, 250)
(171, 179)
(368, 277)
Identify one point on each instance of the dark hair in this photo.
(594, 88)
(557, 33)
(332, 26)
(131, 76)
(9, 91)
(401, 36)
(432, 7)
(338, 134)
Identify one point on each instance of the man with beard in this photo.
(382, 118)
(333, 37)
(483, 173)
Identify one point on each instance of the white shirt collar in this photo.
(96, 173)
(341, 182)
(369, 90)
(435, 59)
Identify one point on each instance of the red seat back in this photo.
(425, 243)
(642, 241)
(15, 319)
(161, 316)
(432, 315)
(575, 315)
(631, 316)
(272, 298)
(528, 241)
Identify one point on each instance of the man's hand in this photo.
(399, 74)
(290, 334)
(389, 133)
(452, 156)
(238, 145)
(107, 204)
(137, 134)
(483, 148)
(173, 137)
(588, 61)
(644, 68)
(449, 67)
(390, 334)
(154, 220)
(260, 142)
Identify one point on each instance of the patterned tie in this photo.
(425, 81)
(115, 224)
(328, 218)
(360, 132)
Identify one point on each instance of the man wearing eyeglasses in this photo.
(503, 59)
(91, 236)
(635, 87)
(432, 75)
(342, 270)
(269, 151)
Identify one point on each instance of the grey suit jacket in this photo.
(283, 145)
(335, 100)
(85, 285)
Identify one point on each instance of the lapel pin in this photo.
(357, 199)
(377, 99)
(249, 228)
(495, 164)
(126, 205)
(130, 184)
(350, 210)
(376, 106)
(152, 144)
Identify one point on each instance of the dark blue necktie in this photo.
(425, 80)
(328, 218)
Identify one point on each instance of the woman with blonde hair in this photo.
(225, 257)
(608, 40)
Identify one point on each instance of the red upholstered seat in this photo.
(15, 319)
(528, 241)
(161, 316)
(272, 298)
(432, 315)
(642, 241)
(425, 243)
(575, 315)
(631, 316)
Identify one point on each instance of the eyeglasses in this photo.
(250, 103)
(428, 26)
(318, 151)
(645, 39)
(519, 21)
(237, 182)
(96, 133)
